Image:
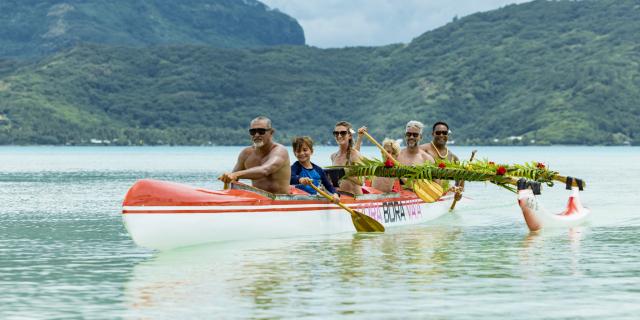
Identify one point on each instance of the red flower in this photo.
(491, 163)
(442, 165)
(540, 165)
(501, 171)
(389, 163)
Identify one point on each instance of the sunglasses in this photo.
(441, 133)
(259, 131)
(340, 133)
(412, 134)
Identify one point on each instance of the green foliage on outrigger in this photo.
(503, 175)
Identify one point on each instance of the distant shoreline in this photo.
(322, 145)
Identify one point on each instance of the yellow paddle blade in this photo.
(428, 191)
(364, 223)
(361, 221)
(438, 187)
(423, 195)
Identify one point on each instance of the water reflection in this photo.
(539, 246)
(255, 279)
(64, 253)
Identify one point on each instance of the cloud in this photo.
(340, 23)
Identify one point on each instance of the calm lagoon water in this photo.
(64, 252)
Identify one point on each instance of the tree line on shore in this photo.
(537, 73)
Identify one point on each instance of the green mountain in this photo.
(31, 28)
(560, 72)
(553, 71)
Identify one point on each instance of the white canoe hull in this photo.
(168, 227)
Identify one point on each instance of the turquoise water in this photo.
(64, 252)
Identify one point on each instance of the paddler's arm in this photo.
(429, 159)
(325, 181)
(458, 183)
(271, 166)
(295, 173)
(355, 158)
(229, 177)
(361, 132)
(242, 157)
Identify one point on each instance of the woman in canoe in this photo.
(346, 155)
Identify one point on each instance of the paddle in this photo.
(361, 221)
(461, 184)
(428, 191)
(366, 134)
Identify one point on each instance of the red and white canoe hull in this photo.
(573, 215)
(163, 215)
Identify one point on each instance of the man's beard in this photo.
(258, 144)
(412, 143)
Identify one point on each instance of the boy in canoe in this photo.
(265, 163)
(304, 172)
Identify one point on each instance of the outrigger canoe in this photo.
(165, 215)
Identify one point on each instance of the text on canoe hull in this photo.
(393, 211)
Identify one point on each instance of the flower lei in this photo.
(479, 170)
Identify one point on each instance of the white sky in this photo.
(341, 23)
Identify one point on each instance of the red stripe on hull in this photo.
(146, 194)
(228, 210)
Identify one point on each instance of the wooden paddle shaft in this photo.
(329, 197)
(366, 134)
(455, 200)
(361, 221)
(473, 154)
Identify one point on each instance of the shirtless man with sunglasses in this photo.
(412, 154)
(266, 163)
(437, 148)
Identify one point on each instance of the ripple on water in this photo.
(65, 253)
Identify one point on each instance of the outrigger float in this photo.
(164, 215)
(537, 217)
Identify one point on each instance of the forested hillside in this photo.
(558, 72)
(553, 71)
(33, 28)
